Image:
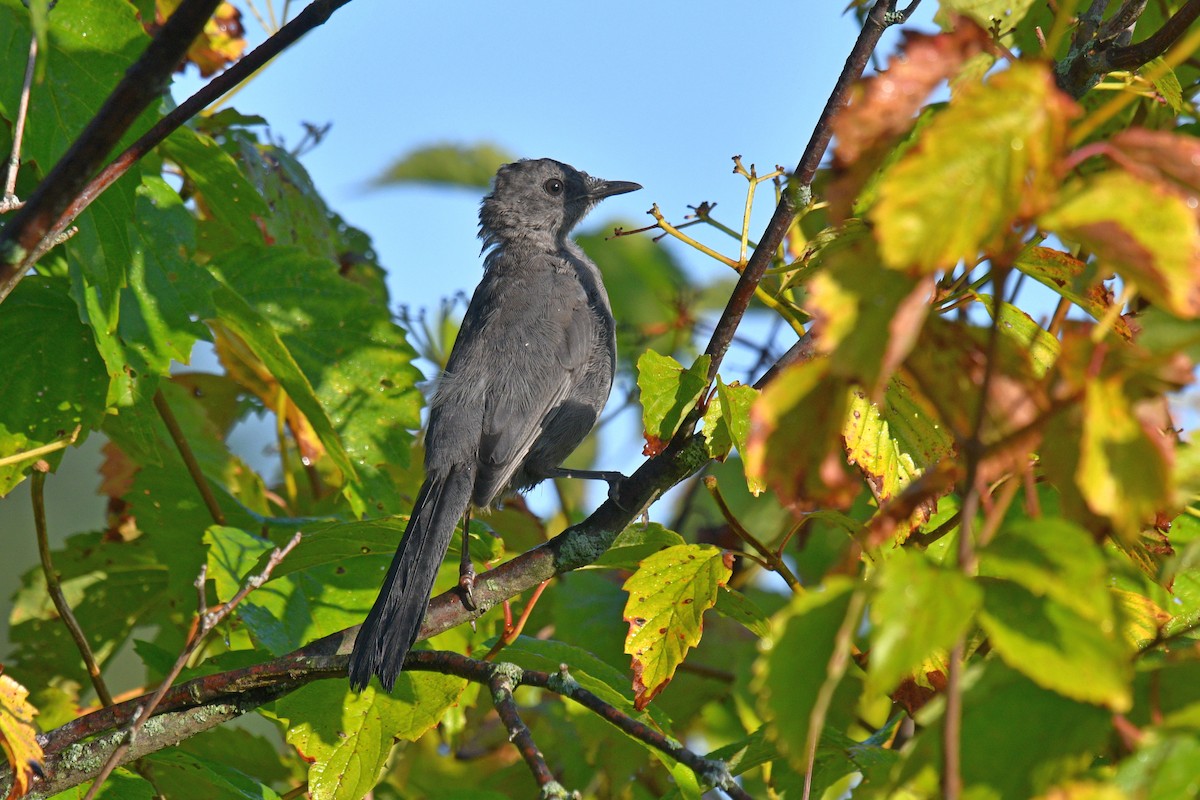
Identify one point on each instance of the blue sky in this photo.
(659, 93)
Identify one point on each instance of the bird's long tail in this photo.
(392, 626)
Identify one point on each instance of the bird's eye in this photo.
(553, 186)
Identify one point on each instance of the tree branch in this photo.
(54, 587)
(142, 84)
(26, 238)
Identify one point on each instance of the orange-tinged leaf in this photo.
(981, 165)
(882, 106)
(1141, 229)
(18, 735)
(1071, 278)
(865, 316)
(668, 596)
(795, 443)
(1162, 157)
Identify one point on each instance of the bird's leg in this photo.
(613, 479)
(466, 570)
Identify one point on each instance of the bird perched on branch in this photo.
(527, 377)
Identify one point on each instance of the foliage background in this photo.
(1034, 615)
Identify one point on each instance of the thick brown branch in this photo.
(1135, 55)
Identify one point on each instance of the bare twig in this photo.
(502, 686)
(54, 587)
(10, 201)
(839, 659)
(1156, 44)
(207, 620)
(42, 450)
(974, 450)
(798, 191)
(774, 562)
(189, 458)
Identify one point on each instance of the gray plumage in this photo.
(528, 375)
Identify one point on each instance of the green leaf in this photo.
(637, 542)
(988, 12)
(1017, 739)
(866, 317)
(1055, 646)
(983, 162)
(736, 606)
(167, 292)
(727, 421)
(919, 612)
(600, 678)
(231, 208)
(112, 586)
(189, 777)
(1049, 612)
(357, 361)
(347, 737)
(668, 596)
(1162, 769)
(1140, 229)
(232, 556)
(1025, 334)
(53, 379)
(1124, 467)
(447, 164)
(90, 46)
(252, 328)
(796, 665)
(669, 392)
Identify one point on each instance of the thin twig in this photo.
(1150, 48)
(799, 189)
(189, 458)
(41, 450)
(974, 450)
(513, 629)
(773, 560)
(207, 619)
(54, 587)
(502, 686)
(843, 643)
(10, 201)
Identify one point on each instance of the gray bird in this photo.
(527, 377)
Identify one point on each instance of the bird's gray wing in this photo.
(542, 344)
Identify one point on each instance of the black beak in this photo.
(601, 189)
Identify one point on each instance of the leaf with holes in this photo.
(668, 596)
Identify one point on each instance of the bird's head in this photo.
(541, 197)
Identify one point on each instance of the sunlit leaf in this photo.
(668, 596)
(1140, 229)
(18, 735)
(669, 392)
(987, 159)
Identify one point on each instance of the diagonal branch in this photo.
(143, 83)
(21, 247)
(798, 191)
